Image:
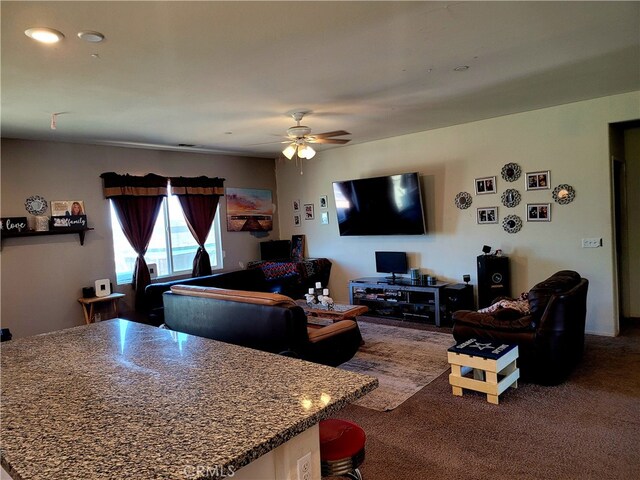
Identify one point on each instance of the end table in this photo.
(88, 304)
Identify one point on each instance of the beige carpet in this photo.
(403, 359)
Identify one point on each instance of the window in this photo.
(172, 247)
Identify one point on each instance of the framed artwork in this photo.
(308, 211)
(249, 210)
(296, 221)
(324, 218)
(487, 215)
(485, 185)
(538, 212)
(296, 205)
(324, 204)
(538, 180)
(64, 208)
(297, 247)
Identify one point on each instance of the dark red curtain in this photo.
(199, 197)
(137, 202)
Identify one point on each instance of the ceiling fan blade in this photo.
(338, 141)
(336, 133)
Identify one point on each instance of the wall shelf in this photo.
(31, 233)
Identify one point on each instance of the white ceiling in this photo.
(223, 75)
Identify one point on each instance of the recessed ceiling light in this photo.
(91, 36)
(44, 34)
(461, 68)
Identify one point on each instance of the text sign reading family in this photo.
(71, 222)
(13, 224)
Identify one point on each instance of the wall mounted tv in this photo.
(389, 205)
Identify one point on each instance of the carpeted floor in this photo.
(586, 428)
(403, 359)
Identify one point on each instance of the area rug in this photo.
(403, 359)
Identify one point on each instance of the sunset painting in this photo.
(249, 210)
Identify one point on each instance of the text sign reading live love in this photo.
(13, 224)
(69, 222)
(484, 349)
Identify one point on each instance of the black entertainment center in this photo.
(409, 300)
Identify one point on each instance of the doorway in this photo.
(625, 169)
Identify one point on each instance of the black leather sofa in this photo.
(292, 279)
(550, 339)
(259, 320)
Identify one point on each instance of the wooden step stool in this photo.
(487, 361)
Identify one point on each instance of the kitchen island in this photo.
(119, 399)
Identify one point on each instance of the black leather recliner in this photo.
(550, 339)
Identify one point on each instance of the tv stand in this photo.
(400, 299)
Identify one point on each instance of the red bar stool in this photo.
(341, 448)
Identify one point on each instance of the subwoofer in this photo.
(494, 279)
(457, 297)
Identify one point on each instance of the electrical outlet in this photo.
(304, 467)
(591, 242)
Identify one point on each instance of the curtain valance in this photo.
(150, 185)
(197, 186)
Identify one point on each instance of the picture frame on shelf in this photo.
(66, 208)
(538, 180)
(297, 247)
(486, 215)
(485, 185)
(538, 212)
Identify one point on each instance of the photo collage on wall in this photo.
(535, 211)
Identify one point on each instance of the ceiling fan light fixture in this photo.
(44, 34)
(305, 151)
(290, 151)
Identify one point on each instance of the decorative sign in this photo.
(13, 224)
(70, 222)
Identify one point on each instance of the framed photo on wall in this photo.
(485, 185)
(538, 212)
(324, 203)
(538, 180)
(296, 221)
(308, 211)
(296, 205)
(487, 215)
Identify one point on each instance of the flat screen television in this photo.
(391, 262)
(389, 205)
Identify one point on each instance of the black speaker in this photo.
(493, 279)
(457, 297)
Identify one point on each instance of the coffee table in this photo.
(340, 311)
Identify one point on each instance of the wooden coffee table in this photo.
(340, 311)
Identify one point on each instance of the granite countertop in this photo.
(119, 399)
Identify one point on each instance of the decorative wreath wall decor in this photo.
(36, 205)
(511, 172)
(511, 197)
(512, 224)
(564, 194)
(463, 200)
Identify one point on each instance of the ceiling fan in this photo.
(299, 137)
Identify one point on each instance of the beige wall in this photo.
(569, 140)
(631, 272)
(42, 277)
